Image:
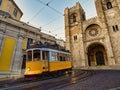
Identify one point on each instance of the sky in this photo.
(51, 19)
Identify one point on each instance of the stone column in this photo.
(17, 60)
(1, 39)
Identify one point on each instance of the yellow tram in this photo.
(46, 59)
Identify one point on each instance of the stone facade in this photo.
(14, 38)
(94, 42)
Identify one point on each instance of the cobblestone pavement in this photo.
(79, 80)
(100, 80)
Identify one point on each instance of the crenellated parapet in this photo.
(91, 20)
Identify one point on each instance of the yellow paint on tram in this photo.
(34, 68)
(54, 66)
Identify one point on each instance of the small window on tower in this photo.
(109, 5)
(75, 37)
(74, 18)
(83, 16)
(115, 28)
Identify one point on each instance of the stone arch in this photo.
(93, 24)
(97, 55)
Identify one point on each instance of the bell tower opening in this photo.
(109, 5)
(97, 55)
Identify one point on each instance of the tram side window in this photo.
(29, 56)
(62, 58)
(36, 55)
(67, 58)
(45, 55)
(54, 56)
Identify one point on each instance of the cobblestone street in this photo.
(77, 80)
(100, 80)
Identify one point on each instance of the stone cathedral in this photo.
(96, 41)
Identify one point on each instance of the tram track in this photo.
(53, 82)
(61, 83)
(73, 80)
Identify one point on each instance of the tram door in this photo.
(45, 57)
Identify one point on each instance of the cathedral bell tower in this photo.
(108, 10)
(109, 13)
(74, 18)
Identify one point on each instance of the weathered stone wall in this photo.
(96, 30)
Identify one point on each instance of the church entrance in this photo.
(97, 55)
(100, 58)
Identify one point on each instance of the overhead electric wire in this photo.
(36, 14)
(58, 28)
(54, 9)
(57, 12)
(39, 11)
(51, 21)
(50, 1)
(47, 4)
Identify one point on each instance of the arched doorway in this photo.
(97, 55)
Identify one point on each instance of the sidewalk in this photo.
(110, 67)
(7, 79)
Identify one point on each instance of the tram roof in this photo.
(49, 46)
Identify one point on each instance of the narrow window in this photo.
(29, 56)
(24, 62)
(83, 17)
(115, 28)
(29, 41)
(15, 12)
(64, 59)
(45, 55)
(109, 5)
(75, 37)
(74, 18)
(60, 58)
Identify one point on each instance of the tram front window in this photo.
(36, 55)
(29, 56)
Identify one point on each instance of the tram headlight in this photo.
(28, 69)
